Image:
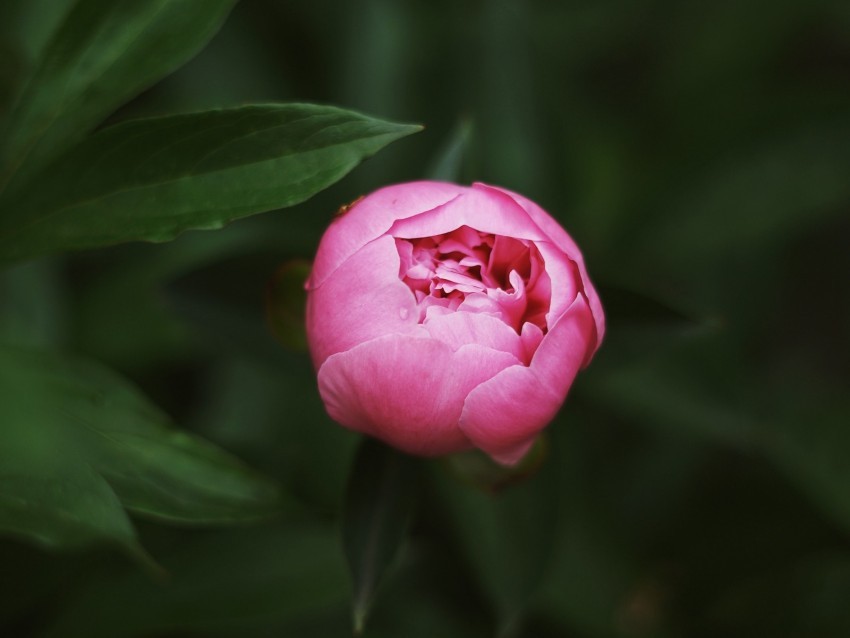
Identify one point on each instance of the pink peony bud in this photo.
(443, 317)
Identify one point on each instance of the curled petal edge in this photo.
(503, 415)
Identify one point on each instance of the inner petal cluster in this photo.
(467, 270)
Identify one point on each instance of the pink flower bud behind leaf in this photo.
(443, 317)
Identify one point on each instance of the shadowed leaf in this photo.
(102, 54)
(378, 505)
(77, 442)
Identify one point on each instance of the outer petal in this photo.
(560, 237)
(407, 391)
(458, 329)
(364, 299)
(503, 415)
(485, 209)
(371, 217)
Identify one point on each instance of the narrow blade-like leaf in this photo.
(508, 537)
(378, 505)
(448, 163)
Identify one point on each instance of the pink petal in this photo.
(458, 329)
(487, 210)
(531, 337)
(502, 416)
(561, 239)
(563, 280)
(372, 217)
(407, 391)
(513, 456)
(505, 255)
(340, 315)
(482, 303)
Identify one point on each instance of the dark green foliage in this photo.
(99, 55)
(78, 443)
(696, 482)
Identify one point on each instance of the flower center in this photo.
(470, 271)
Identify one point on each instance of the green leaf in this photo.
(625, 306)
(640, 324)
(808, 440)
(448, 163)
(508, 537)
(593, 566)
(223, 303)
(662, 388)
(77, 442)
(379, 501)
(121, 316)
(10, 72)
(754, 199)
(240, 580)
(102, 54)
(44, 495)
(69, 507)
(32, 304)
(151, 179)
(27, 25)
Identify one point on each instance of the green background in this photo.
(696, 483)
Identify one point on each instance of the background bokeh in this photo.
(697, 482)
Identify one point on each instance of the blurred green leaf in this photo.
(447, 165)
(754, 198)
(625, 306)
(273, 415)
(508, 537)
(33, 304)
(809, 444)
(83, 437)
(427, 595)
(663, 389)
(640, 325)
(46, 495)
(69, 507)
(102, 54)
(262, 399)
(608, 497)
(224, 302)
(230, 581)
(151, 179)
(379, 501)
(27, 25)
(10, 72)
(122, 316)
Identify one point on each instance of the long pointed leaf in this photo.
(151, 179)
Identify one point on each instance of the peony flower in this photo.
(443, 317)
